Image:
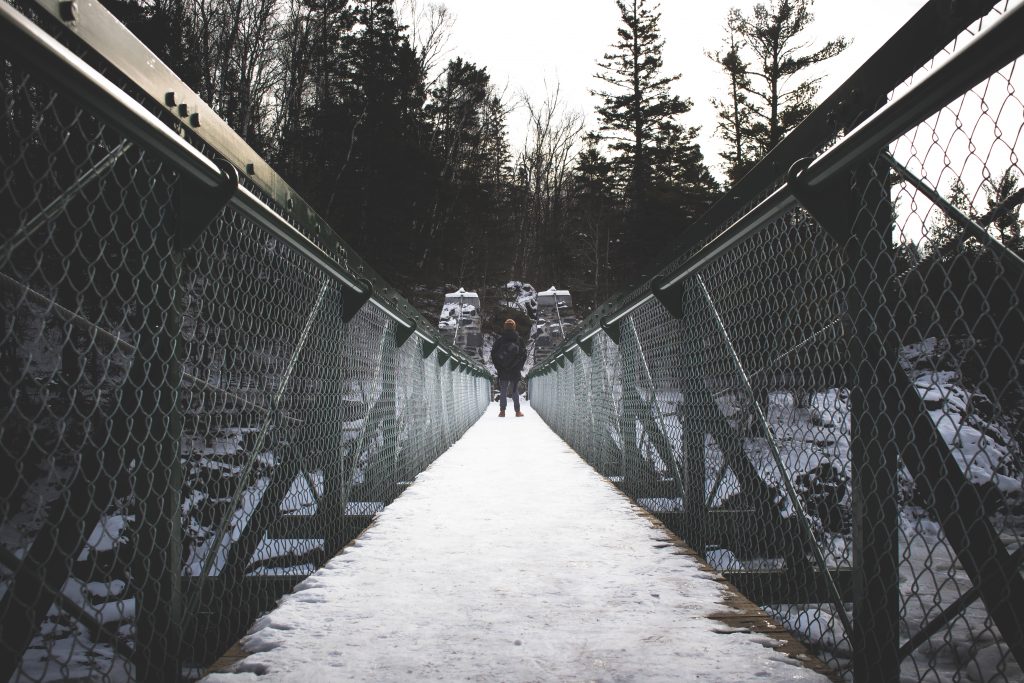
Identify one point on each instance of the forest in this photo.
(403, 147)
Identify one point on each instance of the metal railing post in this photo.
(156, 428)
(873, 340)
(694, 454)
(335, 495)
(383, 465)
(859, 205)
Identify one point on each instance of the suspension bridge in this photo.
(511, 558)
(793, 454)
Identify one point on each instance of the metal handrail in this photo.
(95, 92)
(990, 50)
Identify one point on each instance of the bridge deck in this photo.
(511, 559)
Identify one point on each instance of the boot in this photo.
(519, 414)
(501, 413)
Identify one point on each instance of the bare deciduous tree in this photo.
(430, 31)
(544, 169)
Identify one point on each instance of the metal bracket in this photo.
(671, 298)
(830, 208)
(402, 333)
(427, 347)
(197, 207)
(587, 346)
(442, 356)
(352, 301)
(611, 329)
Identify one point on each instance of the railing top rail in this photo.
(298, 224)
(852, 109)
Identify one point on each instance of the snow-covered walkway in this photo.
(509, 559)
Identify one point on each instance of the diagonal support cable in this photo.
(969, 226)
(659, 438)
(218, 538)
(52, 210)
(773, 448)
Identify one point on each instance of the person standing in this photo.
(509, 356)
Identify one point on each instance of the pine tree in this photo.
(494, 164)
(639, 99)
(456, 116)
(735, 114)
(318, 103)
(454, 113)
(946, 237)
(773, 38)
(596, 218)
(378, 190)
(639, 115)
(1001, 199)
(686, 184)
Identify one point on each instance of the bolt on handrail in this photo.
(990, 50)
(94, 24)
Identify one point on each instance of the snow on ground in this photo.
(508, 559)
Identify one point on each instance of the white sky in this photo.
(532, 44)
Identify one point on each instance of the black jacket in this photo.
(516, 370)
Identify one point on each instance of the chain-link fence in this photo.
(824, 398)
(199, 403)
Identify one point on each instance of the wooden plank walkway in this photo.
(510, 559)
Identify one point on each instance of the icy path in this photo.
(509, 559)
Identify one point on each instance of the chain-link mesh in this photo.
(835, 420)
(186, 433)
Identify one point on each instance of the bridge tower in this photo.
(460, 321)
(556, 320)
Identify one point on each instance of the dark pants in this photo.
(508, 387)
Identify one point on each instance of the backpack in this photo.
(506, 355)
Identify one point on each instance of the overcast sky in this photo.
(532, 44)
